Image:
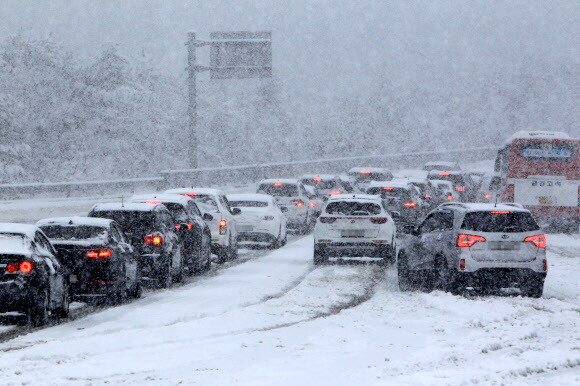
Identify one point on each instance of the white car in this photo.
(261, 219)
(224, 233)
(355, 225)
(291, 194)
(316, 200)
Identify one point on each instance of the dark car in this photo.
(32, 279)
(150, 229)
(99, 258)
(402, 199)
(191, 228)
(483, 246)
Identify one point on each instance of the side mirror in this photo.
(283, 209)
(325, 198)
(207, 217)
(236, 211)
(396, 215)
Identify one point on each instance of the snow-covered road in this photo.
(276, 319)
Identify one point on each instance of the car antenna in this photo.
(122, 201)
(496, 197)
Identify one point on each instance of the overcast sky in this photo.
(321, 48)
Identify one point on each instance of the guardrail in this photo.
(221, 176)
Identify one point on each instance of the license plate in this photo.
(352, 233)
(73, 278)
(504, 245)
(245, 228)
(545, 200)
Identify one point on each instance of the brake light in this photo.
(277, 184)
(466, 241)
(11, 268)
(25, 266)
(189, 226)
(387, 188)
(153, 202)
(154, 239)
(545, 265)
(410, 204)
(223, 227)
(327, 220)
(99, 254)
(500, 211)
(538, 240)
(178, 226)
(443, 174)
(487, 196)
(450, 197)
(365, 172)
(317, 179)
(510, 193)
(191, 194)
(312, 204)
(460, 188)
(379, 220)
(334, 192)
(299, 203)
(462, 264)
(427, 196)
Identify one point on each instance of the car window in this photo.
(115, 235)
(279, 190)
(353, 208)
(438, 221)
(43, 242)
(164, 219)
(177, 211)
(499, 221)
(193, 209)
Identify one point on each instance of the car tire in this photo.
(222, 255)
(205, 261)
(178, 277)
(533, 288)
(233, 251)
(120, 294)
(164, 275)
(38, 314)
(407, 279)
(62, 312)
(137, 290)
(319, 256)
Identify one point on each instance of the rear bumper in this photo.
(15, 295)
(498, 277)
(536, 264)
(256, 236)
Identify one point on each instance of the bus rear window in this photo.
(547, 151)
(511, 222)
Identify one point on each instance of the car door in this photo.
(126, 252)
(56, 271)
(418, 242)
(166, 223)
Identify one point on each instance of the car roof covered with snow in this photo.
(14, 245)
(397, 183)
(250, 197)
(482, 207)
(281, 180)
(523, 134)
(194, 191)
(162, 198)
(321, 176)
(362, 170)
(417, 174)
(354, 197)
(127, 207)
(75, 220)
(24, 229)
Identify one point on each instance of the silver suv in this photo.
(483, 246)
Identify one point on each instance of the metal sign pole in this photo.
(192, 107)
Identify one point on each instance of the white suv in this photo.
(220, 218)
(292, 195)
(354, 225)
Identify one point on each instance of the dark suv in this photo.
(32, 279)
(101, 262)
(190, 225)
(483, 246)
(150, 229)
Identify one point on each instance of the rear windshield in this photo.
(353, 208)
(248, 204)
(394, 192)
(177, 211)
(499, 222)
(74, 232)
(365, 177)
(206, 200)
(455, 179)
(128, 219)
(322, 184)
(283, 190)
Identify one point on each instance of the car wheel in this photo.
(120, 294)
(205, 262)
(407, 279)
(164, 274)
(319, 257)
(233, 251)
(137, 290)
(285, 239)
(533, 288)
(63, 311)
(38, 314)
(178, 277)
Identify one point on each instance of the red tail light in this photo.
(365, 172)
(191, 194)
(450, 198)
(427, 196)
(99, 254)
(334, 192)
(443, 174)
(500, 211)
(379, 220)
(460, 188)
(462, 264)
(545, 265)
(387, 188)
(327, 220)
(153, 202)
(538, 240)
(154, 239)
(317, 179)
(487, 196)
(410, 204)
(268, 218)
(24, 267)
(223, 227)
(277, 184)
(178, 226)
(298, 203)
(312, 204)
(466, 241)
(510, 193)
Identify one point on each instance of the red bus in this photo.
(541, 171)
